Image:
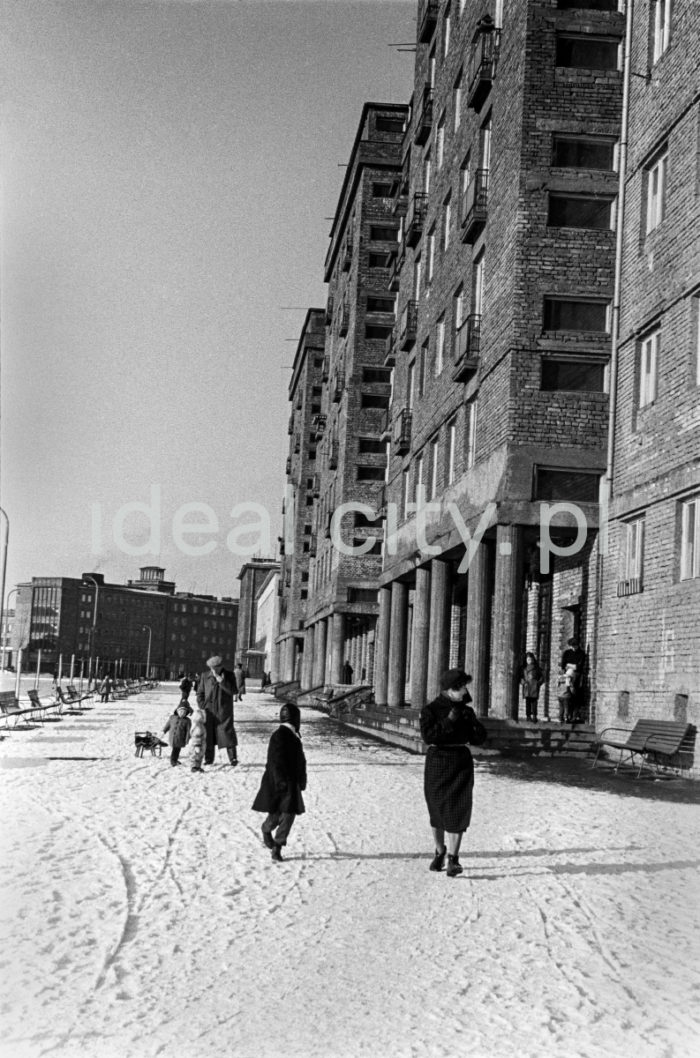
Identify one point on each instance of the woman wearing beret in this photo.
(448, 725)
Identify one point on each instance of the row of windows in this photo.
(631, 569)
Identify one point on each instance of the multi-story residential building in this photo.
(255, 577)
(303, 488)
(505, 272)
(145, 625)
(341, 608)
(648, 658)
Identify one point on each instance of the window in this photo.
(431, 67)
(382, 233)
(417, 272)
(690, 538)
(446, 222)
(370, 473)
(362, 521)
(450, 452)
(431, 255)
(478, 285)
(632, 554)
(371, 446)
(404, 492)
(439, 346)
(375, 549)
(582, 152)
(661, 12)
(418, 483)
(423, 367)
(457, 101)
(374, 400)
(588, 5)
(381, 190)
(377, 374)
(579, 211)
(586, 52)
(427, 171)
(375, 304)
(458, 309)
(465, 175)
(656, 176)
(579, 376)
(574, 486)
(470, 433)
(378, 260)
(440, 142)
(386, 124)
(568, 314)
(411, 385)
(446, 26)
(377, 331)
(648, 367)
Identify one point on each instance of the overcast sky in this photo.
(168, 171)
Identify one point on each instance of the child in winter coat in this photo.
(177, 727)
(566, 693)
(531, 679)
(284, 779)
(198, 738)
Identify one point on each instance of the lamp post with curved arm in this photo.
(147, 628)
(94, 625)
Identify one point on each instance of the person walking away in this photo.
(284, 779)
(447, 725)
(198, 737)
(185, 687)
(240, 681)
(531, 679)
(106, 688)
(177, 728)
(215, 693)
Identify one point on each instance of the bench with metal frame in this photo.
(655, 743)
(43, 705)
(10, 709)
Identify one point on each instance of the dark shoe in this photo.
(267, 840)
(276, 852)
(197, 767)
(233, 763)
(454, 867)
(438, 860)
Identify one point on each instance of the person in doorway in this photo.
(239, 673)
(284, 779)
(566, 693)
(531, 679)
(215, 694)
(449, 725)
(177, 727)
(347, 672)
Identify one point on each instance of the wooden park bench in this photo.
(43, 705)
(10, 709)
(656, 743)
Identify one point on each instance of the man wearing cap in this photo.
(447, 725)
(215, 693)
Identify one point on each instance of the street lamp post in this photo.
(94, 625)
(3, 626)
(147, 628)
(6, 544)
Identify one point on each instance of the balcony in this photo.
(397, 258)
(346, 256)
(475, 206)
(408, 328)
(629, 587)
(344, 322)
(482, 63)
(401, 433)
(325, 369)
(290, 425)
(333, 456)
(415, 220)
(385, 427)
(318, 426)
(329, 310)
(316, 486)
(425, 116)
(389, 346)
(427, 21)
(288, 466)
(467, 343)
(380, 502)
(337, 385)
(312, 547)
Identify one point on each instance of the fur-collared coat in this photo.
(217, 701)
(285, 775)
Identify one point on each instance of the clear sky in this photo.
(168, 170)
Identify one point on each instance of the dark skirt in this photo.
(448, 785)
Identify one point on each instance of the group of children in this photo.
(568, 688)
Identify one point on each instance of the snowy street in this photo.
(142, 916)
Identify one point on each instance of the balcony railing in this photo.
(427, 21)
(337, 385)
(389, 344)
(316, 485)
(290, 425)
(408, 327)
(475, 206)
(325, 369)
(318, 425)
(346, 259)
(425, 116)
(397, 258)
(288, 466)
(629, 587)
(344, 322)
(329, 310)
(482, 63)
(416, 218)
(333, 456)
(401, 435)
(467, 343)
(312, 547)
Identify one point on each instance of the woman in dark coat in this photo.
(283, 781)
(447, 724)
(215, 692)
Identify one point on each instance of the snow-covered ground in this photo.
(142, 917)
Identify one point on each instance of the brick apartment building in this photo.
(303, 487)
(122, 628)
(350, 458)
(504, 273)
(253, 654)
(648, 659)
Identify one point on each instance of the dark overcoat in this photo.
(449, 768)
(217, 701)
(285, 775)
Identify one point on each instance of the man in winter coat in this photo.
(283, 781)
(215, 693)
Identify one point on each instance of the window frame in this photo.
(632, 550)
(649, 347)
(689, 551)
(439, 363)
(656, 175)
(661, 16)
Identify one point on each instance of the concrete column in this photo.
(421, 631)
(320, 653)
(438, 643)
(364, 656)
(397, 645)
(479, 628)
(289, 658)
(507, 621)
(381, 646)
(337, 647)
(308, 662)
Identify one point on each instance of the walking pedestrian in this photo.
(531, 679)
(177, 727)
(215, 693)
(282, 782)
(185, 686)
(447, 725)
(239, 673)
(106, 688)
